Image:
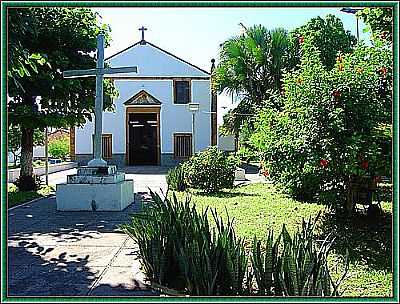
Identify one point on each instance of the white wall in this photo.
(153, 62)
(174, 118)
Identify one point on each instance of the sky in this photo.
(194, 34)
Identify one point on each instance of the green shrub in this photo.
(179, 249)
(333, 124)
(294, 266)
(59, 148)
(210, 170)
(176, 179)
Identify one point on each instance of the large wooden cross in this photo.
(100, 72)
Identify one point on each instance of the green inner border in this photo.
(394, 4)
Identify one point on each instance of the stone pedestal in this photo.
(240, 174)
(95, 189)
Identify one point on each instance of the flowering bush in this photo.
(329, 128)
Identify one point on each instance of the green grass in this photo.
(259, 207)
(16, 197)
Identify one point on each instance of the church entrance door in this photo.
(143, 139)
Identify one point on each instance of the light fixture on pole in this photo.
(352, 10)
(193, 107)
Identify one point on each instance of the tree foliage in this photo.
(379, 21)
(59, 148)
(327, 35)
(251, 66)
(328, 128)
(44, 42)
(60, 39)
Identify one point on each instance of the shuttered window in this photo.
(181, 91)
(182, 145)
(106, 145)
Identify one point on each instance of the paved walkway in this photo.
(71, 253)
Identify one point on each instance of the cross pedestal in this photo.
(98, 186)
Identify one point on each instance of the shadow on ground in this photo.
(368, 238)
(52, 253)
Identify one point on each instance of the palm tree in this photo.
(251, 66)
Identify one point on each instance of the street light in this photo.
(352, 10)
(193, 107)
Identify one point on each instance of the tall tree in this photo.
(251, 66)
(379, 21)
(14, 140)
(43, 42)
(327, 35)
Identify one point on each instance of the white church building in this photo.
(151, 123)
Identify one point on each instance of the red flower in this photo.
(336, 94)
(364, 164)
(301, 39)
(383, 70)
(266, 173)
(377, 179)
(324, 163)
(383, 35)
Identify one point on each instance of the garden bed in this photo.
(16, 197)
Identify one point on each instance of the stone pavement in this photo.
(52, 253)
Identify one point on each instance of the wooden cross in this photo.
(100, 72)
(143, 29)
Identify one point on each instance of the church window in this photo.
(181, 91)
(182, 145)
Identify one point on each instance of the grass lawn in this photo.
(16, 197)
(258, 207)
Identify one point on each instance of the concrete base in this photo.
(240, 174)
(95, 197)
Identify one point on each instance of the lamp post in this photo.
(351, 10)
(193, 107)
(46, 155)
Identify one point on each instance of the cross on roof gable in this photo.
(142, 98)
(144, 42)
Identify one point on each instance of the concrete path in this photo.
(52, 253)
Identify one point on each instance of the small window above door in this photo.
(182, 94)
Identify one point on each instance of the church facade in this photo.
(151, 123)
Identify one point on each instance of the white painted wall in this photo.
(174, 118)
(153, 62)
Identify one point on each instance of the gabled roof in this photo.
(144, 42)
(142, 98)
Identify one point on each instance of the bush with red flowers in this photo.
(332, 125)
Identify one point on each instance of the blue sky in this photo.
(195, 34)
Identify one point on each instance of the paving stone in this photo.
(89, 256)
(40, 287)
(54, 253)
(130, 244)
(127, 258)
(121, 281)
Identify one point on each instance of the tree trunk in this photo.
(26, 152)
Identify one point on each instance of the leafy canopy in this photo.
(332, 125)
(43, 42)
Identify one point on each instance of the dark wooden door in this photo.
(143, 130)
